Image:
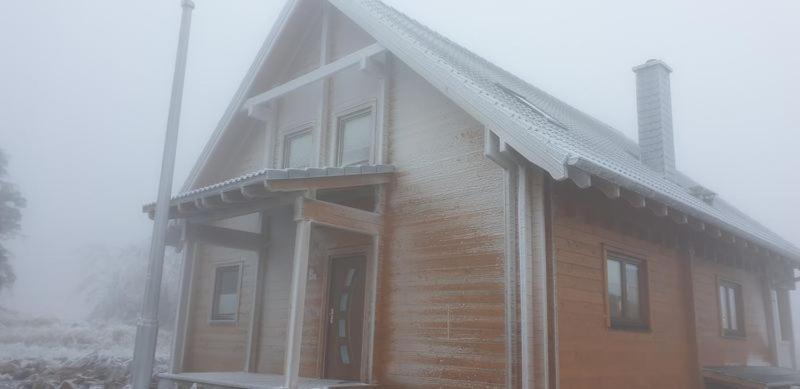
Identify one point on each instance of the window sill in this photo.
(641, 328)
(231, 322)
(734, 336)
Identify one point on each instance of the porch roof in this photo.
(271, 183)
(754, 376)
(244, 380)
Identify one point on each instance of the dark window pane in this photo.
(732, 309)
(614, 288)
(723, 305)
(730, 305)
(226, 293)
(632, 310)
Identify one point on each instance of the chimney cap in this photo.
(651, 63)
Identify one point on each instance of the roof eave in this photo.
(790, 252)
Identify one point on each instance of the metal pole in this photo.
(147, 327)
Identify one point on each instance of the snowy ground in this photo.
(44, 353)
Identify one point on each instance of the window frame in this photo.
(738, 288)
(212, 317)
(296, 132)
(626, 257)
(367, 109)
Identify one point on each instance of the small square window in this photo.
(226, 293)
(355, 132)
(731, 309)
(627, 304)
(297, 149)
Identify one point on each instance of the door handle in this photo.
(330, 316)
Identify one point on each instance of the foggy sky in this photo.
(84, 92)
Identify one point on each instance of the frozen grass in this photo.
(42, 353)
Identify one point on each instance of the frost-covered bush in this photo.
(43, 353)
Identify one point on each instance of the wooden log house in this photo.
(381, 207)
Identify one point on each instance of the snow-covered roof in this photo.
(262, 178)
(550, 133)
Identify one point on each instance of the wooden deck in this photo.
(244, 380)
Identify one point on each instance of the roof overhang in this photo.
(267, 188)
(694, 212)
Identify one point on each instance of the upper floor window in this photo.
(225, 305)
(355, 138)
(730, 307)
(785, 315)
(627, 292)
(297, 149)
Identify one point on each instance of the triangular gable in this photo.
(245, 88)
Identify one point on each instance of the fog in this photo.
(84, 90)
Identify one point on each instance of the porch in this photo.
(750, 377)
(305, 245)
(242, 380)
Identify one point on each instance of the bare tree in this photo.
(116, 278)
(11, 204)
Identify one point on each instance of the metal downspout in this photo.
(503, 159)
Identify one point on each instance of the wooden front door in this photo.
(345, 323)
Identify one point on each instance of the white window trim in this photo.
(235, 320)
(290, 132)
(343, 113)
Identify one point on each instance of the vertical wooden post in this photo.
(251, 357)
(184, 303)
(372, 288)
(302, 242)
(380, 112)
(320, 140)
(770, 303)
(689, 254)
(270, 118)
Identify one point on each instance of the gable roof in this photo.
(548, 132)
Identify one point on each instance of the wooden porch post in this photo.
(294, 334)
(184, 300)
(253, 333)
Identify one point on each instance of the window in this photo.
(226, 293)
(627, 292)
(730, 307)
(784, 315)
(297, 149)
(355, 139)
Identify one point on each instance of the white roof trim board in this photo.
(546, 131)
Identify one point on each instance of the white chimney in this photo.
(654, 109)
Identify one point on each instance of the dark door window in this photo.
(345, 318)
